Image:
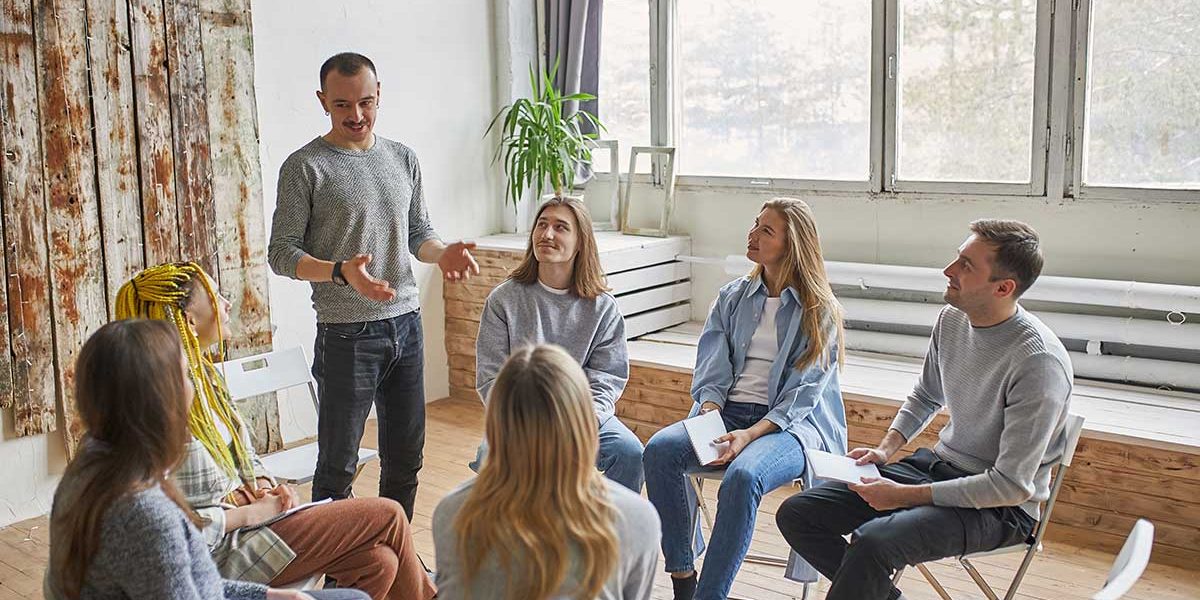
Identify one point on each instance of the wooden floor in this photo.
(1062, 572)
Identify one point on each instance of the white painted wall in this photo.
(436, 65)
(30, 468)
(1143, 241)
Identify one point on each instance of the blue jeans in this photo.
(620, 456)
(358, 365)
(768, 462)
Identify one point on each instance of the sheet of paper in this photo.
(290, 512)
(837, 467)
(703, 429)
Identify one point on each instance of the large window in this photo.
(1142, 113)
(774, 88)
(965, 90)
(1013, 97)
(624, 94)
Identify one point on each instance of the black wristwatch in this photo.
(337, 276)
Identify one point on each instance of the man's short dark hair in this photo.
(346, 63)
(1018, 251)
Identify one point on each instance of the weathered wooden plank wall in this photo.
(128, 137)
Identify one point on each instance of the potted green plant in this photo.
(543, 143)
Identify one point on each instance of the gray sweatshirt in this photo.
(638, 533)
(1007, 388)
(149, 549)
(334, 203)
(591, 331)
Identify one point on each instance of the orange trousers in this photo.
(362, 543)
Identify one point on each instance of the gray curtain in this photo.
(573, 40)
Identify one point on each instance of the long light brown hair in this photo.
(539, 495)
(803, 269)
(587, 276)
(132, 397)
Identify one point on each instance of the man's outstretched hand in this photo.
(456, 262)
(355, 272)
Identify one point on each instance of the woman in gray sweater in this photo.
(119, 528)
(540, 522)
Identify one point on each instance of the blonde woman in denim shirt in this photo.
(768, 360)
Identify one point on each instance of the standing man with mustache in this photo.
(348, 200)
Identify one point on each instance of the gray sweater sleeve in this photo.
(290, 222)
(1034, 406)
(420, 228)
(150, 551)
(926, 398)
(491, 346)
(607, 365)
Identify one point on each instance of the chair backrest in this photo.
(1071, 432)
(1130, 563)
(267, 372)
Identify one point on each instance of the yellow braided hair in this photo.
(160, 293)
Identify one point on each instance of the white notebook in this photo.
(838, 467)
(703, 429)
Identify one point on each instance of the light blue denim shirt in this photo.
(806, 403)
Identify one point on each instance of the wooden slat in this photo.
(679, 402)
(73, 216)
(470, 292)
(656, 319)
(462, 327)
(462, 379)
(236, 190)
(189, 122)
(639, 279)
(638, 302)
(640, 252)
(465, 362)
(460, 345)
(116, 147)
(155, 147)
(28, 314)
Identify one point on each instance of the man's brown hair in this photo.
(1018, 251)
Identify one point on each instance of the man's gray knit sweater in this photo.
(591, 331)
(1007, 388)
(334, 203)
(149, 549)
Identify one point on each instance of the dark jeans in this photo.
(814, 522)
(357, 365)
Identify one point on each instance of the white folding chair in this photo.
(795, 567)
(1130, 563)
(272, 372)
(1071, 438)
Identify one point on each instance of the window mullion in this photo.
(878, 86)
(890, 77)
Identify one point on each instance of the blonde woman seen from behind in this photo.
(540, 522)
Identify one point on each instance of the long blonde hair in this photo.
(163, 292)
(587, 276)
(803, 269)
(539, 495)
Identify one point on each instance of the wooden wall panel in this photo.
(25, 252)
(72, 208)
(156, 145)
(236, 184)
(189, 121)
(116, 143)
(109, 158)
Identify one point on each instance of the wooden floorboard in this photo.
(1062, 572)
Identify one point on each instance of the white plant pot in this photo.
(519, 219)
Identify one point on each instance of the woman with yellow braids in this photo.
(363, 543)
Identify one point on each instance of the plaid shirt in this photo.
(254, 554)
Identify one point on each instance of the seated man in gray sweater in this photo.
(557, 295)
(1005, 380)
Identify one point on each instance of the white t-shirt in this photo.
(226, 435)
(751, 385)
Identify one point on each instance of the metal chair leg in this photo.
(979, 580)
(937, 585)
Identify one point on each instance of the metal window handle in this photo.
(891, 68)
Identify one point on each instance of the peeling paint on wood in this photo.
(237, 188)
(116, 148)
(189, 117)
(72, 210)
(156, 150)
(25, 250)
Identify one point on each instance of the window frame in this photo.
(1060, 84)
(1077, 141)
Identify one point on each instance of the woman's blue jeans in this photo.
(767, 463)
